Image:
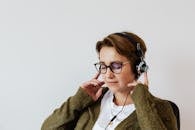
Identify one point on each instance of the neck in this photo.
(119, 99)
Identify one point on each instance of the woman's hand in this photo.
(134, 83)
(93, 87)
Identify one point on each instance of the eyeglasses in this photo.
(115, 67)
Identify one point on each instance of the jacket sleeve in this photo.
(152, 114)
(65, 117)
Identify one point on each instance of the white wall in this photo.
(47, 49)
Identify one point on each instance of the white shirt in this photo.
(108, 110)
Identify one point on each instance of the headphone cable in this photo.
(114, 117)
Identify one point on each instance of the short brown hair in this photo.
(124, 47)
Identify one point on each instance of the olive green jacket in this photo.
(80, 112)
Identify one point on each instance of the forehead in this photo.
(109, 54)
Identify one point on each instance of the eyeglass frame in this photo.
(109, 66)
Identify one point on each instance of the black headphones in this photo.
(141, 65)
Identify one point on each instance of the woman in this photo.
(124, 103)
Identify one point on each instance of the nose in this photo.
(109, 73)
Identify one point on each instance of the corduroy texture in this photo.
(80, 112)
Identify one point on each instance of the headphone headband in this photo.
(139, 51)
(125, 35)
(141, 66)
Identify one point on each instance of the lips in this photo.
(112, 82)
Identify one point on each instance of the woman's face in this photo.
(116, 82)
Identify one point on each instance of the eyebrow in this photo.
(112, 61)
(101, 62)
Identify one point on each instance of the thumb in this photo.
(99, 93)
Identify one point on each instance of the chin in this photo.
(117, 88)
(114, 89)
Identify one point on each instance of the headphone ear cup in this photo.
(141, 67)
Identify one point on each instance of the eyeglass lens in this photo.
(114, 67)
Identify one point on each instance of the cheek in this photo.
(126, 77)
(103, 77)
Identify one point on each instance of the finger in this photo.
(98, 82)
(146, 82)
(96, 75)
(99, 93)
(88, 84)
(94, 83)
(102, 83)
(85, 84)
(134, 83)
